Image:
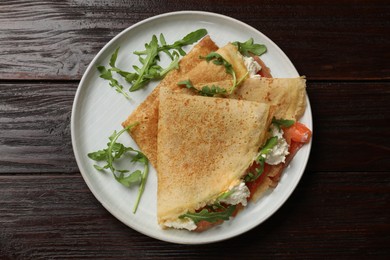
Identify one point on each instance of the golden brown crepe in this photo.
(205, 145)
(208, 73)
(288, 95)
(145, 133)
(196, 142)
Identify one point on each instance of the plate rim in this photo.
(80, 165)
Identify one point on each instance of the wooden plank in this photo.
(57, 40)
(351, 130)
(35, 127)
(329, 215)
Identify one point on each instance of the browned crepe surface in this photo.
(288, 95)
(145, 133)
(208, 73)
(205, 144)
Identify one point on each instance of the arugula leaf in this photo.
(205, 91)
(100, 155)
(225, 195)
(149, 59)
(106, 74)
(212, 91)
(163, 42)
(113, 58)
(248, 47)
(282, 123)
(187, 83)
(174, 64)
(115, 151)
(217, 59)
(271, 142)
(129, 77)
(260, 159)
(190, 38)
(129, 180)
(210, 216)
(148, 63)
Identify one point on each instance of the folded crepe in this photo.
(202, 146)
(288, 95)
(145, 133)
(191, 67)
(205, 145)
(208, 73)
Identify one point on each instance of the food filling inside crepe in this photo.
(205, 145)
(219, 131)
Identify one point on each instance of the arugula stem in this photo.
(142, 186)
(124, 93)
(239, 82)
(112, 143)
(219, 60)
(234, 83)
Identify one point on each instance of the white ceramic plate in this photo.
(98, 110)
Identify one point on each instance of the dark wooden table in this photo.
(339, 210)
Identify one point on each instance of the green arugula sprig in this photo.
(210, 215)
(225, 195)
(260, 159)
(177, 45)
(282, 123)
(248, 47)
(217, 59)
(149, 58)
(106, 74)
(115, 151)
(205, 91)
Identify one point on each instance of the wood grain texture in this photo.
(57, 217)
(35, 128)
(351, 126)
(351, 130)
(339, 209)
(331, 40)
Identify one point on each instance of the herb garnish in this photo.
(210, 216)
(205, 91)
(106, 74)
(271, 143)
(219, 60)
(225, 195)
(248, 47)
(282, 123)
(116, 150)
(149, 58)
(177, 45)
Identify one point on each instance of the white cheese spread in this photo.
(280, 150)
(252, 66)
(238, 194)
(185, 223)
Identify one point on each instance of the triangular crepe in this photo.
(208, 73)
(288, 95)
(145, 133)
(205, 145)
